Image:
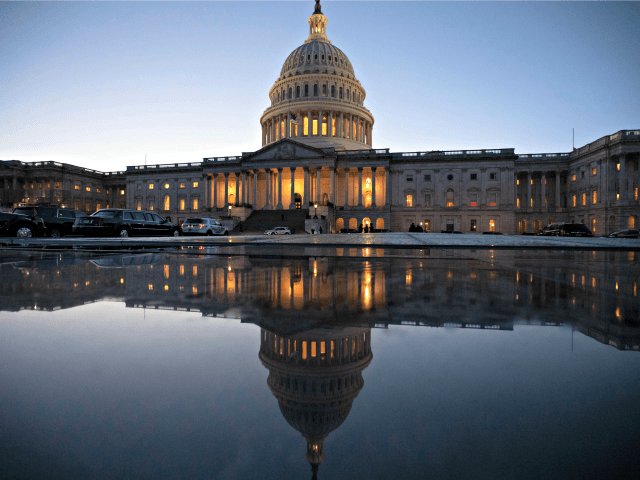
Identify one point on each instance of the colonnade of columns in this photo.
(538, 200)
(245, 183)
(317, 123)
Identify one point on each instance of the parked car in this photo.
(631, 233)
(58, 222)
(203, 226)
(125, 223)
(278, 231)
(22, 226)
(566, 230)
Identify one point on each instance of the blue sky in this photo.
(101, 84)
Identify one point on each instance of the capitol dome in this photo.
(317, 99)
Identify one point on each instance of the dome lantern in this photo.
(317, 26)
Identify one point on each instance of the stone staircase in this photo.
(261, 220)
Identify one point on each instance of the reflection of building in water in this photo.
(315, 376)
(595, 291)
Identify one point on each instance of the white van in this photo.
(203, 226)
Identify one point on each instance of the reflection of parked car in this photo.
(58, 222)
(349, 230)
(22, 226)
(203, 226)
(566, 230)
(631, 233)
(125, 223)
(278, 231)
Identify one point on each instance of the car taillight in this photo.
(201, 225)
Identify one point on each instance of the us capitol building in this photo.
(318, 157)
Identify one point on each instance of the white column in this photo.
(292, 204)
(360, 187)
(279, 188)
(318, 186)
(373, 187)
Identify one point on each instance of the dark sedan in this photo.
(22, 226)
(125, 223)
(631, 233)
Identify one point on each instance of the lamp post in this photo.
(315, 210)
(229, 211)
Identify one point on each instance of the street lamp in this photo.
(315, 210)
(229, 211)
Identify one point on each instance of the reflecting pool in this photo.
(244, 362)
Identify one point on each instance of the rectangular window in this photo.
(584, 199)
(182, 185)
(315, 126)
(531, 202)
(492, 225)
(151, 206)
(427, 225)
(594, 171)
(88, 189)
(474, 176)
(427, 178)
(518, 202)
(182, 204)
(56, 185)
(333, 127)
(593, 226)
(427, 200)
(473, 197)
(151, 186)
(582, 174)
(574, 201)
(409, 178)
(76, 204)
(517, 182)
(121, 192)
(618, 166)
(98, 190)
(195, 204)
(76, 187)
(138, 187)
(492, 176)
(195, 184)
(573, 178)
(409, 200)
(493, 199)
(324, 128)
(594, 197)
(98, 206)
(635, 193)
(474, 225)
(139, 205)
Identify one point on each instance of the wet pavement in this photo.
(289, 360)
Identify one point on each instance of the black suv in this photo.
(22, 226)
(125, 223)
(566, 230)
(58, 222)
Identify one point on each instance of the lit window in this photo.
(593, 225)
(88, 189)
(573, 178)
(305, 125)
(618, 166)
(492, 225)
(151, 186)
(594, 171)
(517, 182)
(409, 200)
(474, 225)
(195, 185)
(574, 200)
(531, 201)
(635, 193)
(427, 225)
(594, 197)
(181, 184)
(315, 126)
(167, 202)
(195, 204)
(166, 186)
(450, 198)
(138, 205)
(518, 202)
(121, 192)
(182, 203)
(473, 200)
(98, 190)
(584, 199)
(492, 199)
(77, 187)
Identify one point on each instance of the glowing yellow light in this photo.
(473, 275)
(229, 268)
(150, 286)
(122, 280)
(166, 287)
(86, 283)
(194, 289)
(618, 312)
(616, 285)
(517, 297)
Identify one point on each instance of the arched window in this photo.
(333, 91)
(324, 90)
(315, 90)
(306, 90)
(340, 93)
(450, 197)
(167, 202)
(298, 91)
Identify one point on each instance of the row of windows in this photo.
(167, 185)
(450, 225)
(305, 92)
(450, 201)
(473, 176)
(166, 204)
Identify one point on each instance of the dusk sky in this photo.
(102, 84)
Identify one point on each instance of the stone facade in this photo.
(317, 155)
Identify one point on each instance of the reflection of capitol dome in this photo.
(317, 99)
(315, 376)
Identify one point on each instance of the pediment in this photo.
(286, 149)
